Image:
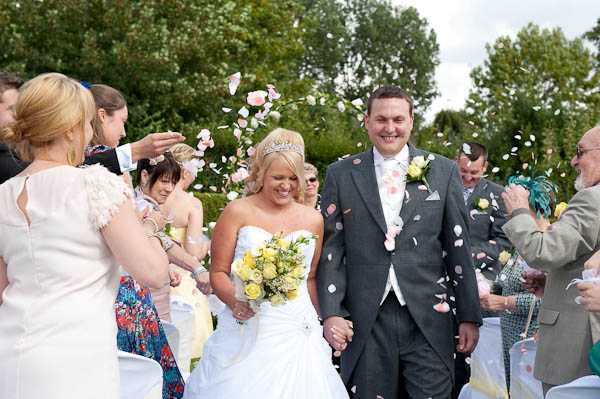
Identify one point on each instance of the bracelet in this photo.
(198, 270)
(153, 223)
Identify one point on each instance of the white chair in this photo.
(523, 384)
(487, 367)
(587, 387)
(172, 333)
(182, 316)
(140, 377)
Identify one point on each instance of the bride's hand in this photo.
(241, 310)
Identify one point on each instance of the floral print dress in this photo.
(141, 332)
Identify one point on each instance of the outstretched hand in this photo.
(154, 145)
(468, 336)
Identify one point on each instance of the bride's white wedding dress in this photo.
(279, 353)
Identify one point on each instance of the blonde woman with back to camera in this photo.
(278, 352)
(186, 215)
(63, 230)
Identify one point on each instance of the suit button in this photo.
(393, 253)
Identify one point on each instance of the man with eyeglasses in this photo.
(561, 251)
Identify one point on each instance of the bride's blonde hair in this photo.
(283, 144)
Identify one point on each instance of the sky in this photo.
(463, 27)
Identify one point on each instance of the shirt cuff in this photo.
(125, 159)
(519, 211)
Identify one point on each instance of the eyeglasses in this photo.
(581, 151)
(311, 180)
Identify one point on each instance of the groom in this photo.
(396, 260)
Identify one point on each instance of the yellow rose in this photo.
(419, 161)
(243, 272)
(284, 244)
(560, 209)
(276, 299)
(414, 171)
(269, 253)
(249, 260)
(252, 291)
(256, 276)
(298, 272)
(293, 294)
(483, 203)
(504, 257)
(269, 271)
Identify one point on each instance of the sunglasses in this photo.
(311, 180)
(581, 151)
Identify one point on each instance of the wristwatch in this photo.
(197, 271)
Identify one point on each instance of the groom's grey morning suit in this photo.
(431, 258)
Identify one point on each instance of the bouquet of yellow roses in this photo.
(271, 272)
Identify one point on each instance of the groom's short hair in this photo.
(389, 92)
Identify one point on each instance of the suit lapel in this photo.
(365, 180)
(413, 196)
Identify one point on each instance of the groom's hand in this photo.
(338, 332)
(468, 335)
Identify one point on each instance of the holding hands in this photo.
(203, 283)
(535, 281)
(338, 333)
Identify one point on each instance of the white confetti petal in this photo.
(422, 187)
(226, 110)
(417, 218)
(505, 156)
(339, 226)
(331, 288)
(458, 243)
(457, 230)
(415, 241)
(329, 257)
(244, 112)
(458, 269)
(495, 169)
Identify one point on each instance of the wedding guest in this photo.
(517, 306)
(138, 310)
(117, 160)
(10, 164)
(484, 204)
(186, 214)
(63, 230)
(561, 250)
(311, 195)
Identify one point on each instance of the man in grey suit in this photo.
(562, 250)
(396, 253)
(486, 209)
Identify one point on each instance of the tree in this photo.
(532, 99)
(355, 46)
(594, 36)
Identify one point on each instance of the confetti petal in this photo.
(417, 218)
(356, 161)
(441, 307)
(331, 288)
(244, 112)
(329, 257)
(458, 243)
(234, 82)
(458, 269)
(415, 241)
(458, 230)
(339, 226)
(331, 209)
(422, 187)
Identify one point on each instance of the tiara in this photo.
(284, 146)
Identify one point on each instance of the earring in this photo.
(71, 156)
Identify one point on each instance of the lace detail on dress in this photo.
(106, 192)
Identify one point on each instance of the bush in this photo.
(213, 204)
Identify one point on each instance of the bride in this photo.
(279, 351)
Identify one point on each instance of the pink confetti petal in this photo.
(243, 123)
(441, 307)
(331, 209)
(356, 161)
(422, 187)
(347, 211)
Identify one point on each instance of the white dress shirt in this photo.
(125, 159)
(391, 180)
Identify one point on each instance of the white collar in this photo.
(401, 157)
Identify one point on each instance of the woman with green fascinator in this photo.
(519, 308)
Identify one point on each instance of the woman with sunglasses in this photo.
(311, 195)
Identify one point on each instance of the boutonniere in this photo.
(481, 204)
(417, 170)
(559, 209)
(504, 257)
